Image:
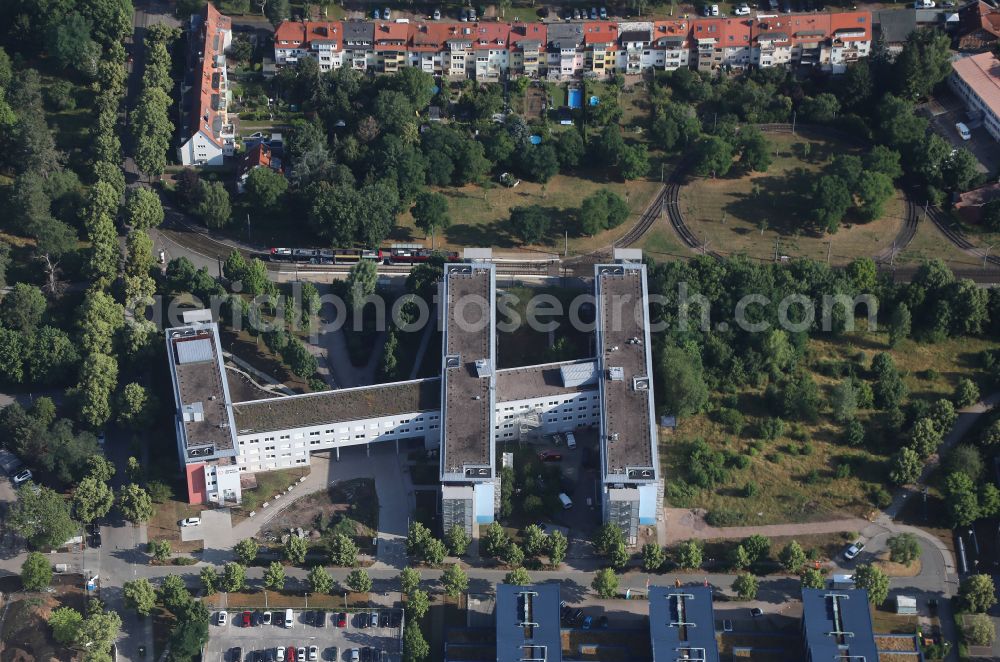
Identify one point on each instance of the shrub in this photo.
(732, 419)
(880, 497)
(770, 428)
(751, 489)
(724, 517)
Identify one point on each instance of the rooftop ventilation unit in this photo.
(453, 361)
(193, 413)
(616, 374)
(640, 383)
(483, 368)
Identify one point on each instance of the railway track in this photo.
(911, 216)
(646, 220)
(955, 236)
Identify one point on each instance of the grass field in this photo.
(480, 215)
(729, 212)
(795, 473)
(929, 243)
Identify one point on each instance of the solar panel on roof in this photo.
(194, 351)
(578, 374)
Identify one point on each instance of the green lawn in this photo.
(730, 212)
(479, 215)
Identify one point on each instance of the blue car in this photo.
(376, 14)
(587, 621)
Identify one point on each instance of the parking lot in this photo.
(333, 642)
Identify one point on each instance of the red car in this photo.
(246, 619)
(549, 456)
(290, 654)
(342, 620)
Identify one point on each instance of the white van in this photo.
(842, 581)
(567, 503)
(570, 440)
(923, 4)
(963, 130)
(289, 618)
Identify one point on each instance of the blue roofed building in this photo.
(837, 625)
(682, 624)
(528, 623)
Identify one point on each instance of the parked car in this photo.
(22, 477)
(307, 617)
(715, 10)
(313, 654)
(549, 456)
(386, 13)
(267, 618)
(289, 618)
(320, 619)
(290, 654)
(727, 625)
(280, 654)
(342, 620)
(593, 13)
(375, 14)
(332, 653)
(963, 130)
(756, 611)
(257, 619)
(742, 10)
(577, 14)
(373, 619)
(604, 13)
(385, 619)
(587, 621)
(436, 15)
(472, 14)
(355, 655)
(300, 654)
(237, 655)
(191, 521)
(221, 618)
(246, 619)
(853, 550)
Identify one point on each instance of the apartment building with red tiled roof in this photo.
(527, 48)
(206, 132)
(566, 50)
(322, 40)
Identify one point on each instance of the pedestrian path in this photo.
(684, 524)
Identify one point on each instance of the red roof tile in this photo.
(600, 32)
(203, 116)
(520, 32)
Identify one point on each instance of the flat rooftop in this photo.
(538, 381)
(348, 404)
(528, 623)
(626, 379)
(200, 390)
(468, 362)
(682, 624)
(837, 624)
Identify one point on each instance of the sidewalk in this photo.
(684, 524)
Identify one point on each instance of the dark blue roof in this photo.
(682, 618)
(528, 623)
(837, 624)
